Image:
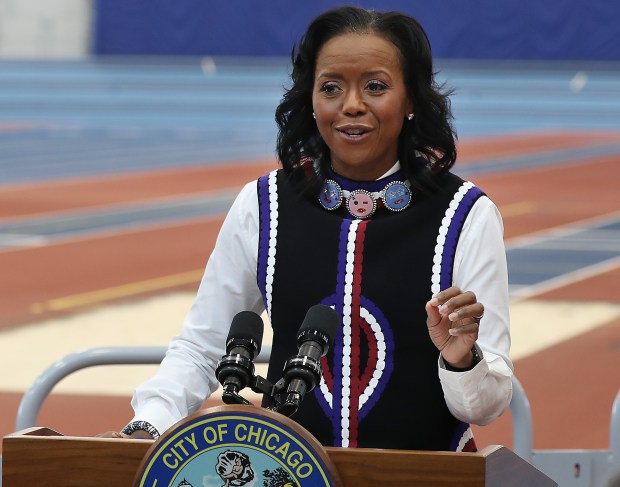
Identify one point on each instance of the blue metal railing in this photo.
(594, 467)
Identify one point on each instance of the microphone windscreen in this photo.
(323, 319)
(247, 325)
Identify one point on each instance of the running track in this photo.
(115, 178)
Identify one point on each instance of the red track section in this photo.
(84, 193)
(570, 386)
(539, 199)
(36, 275)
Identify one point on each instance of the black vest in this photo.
(381, 387)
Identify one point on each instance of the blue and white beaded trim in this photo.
(381, 356)
(273, 237)
(447, 237)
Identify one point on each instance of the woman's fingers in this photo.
(112, 434)
(458, 305)
(472, 311)
(464, 329)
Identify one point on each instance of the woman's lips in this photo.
(354, 133)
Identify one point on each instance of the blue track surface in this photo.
(62, 120)
(99, 117)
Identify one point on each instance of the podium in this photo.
(42, 457)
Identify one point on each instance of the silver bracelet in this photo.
(141, 426)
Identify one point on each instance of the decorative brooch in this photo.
(396, 196)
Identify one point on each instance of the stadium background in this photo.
(127, 127)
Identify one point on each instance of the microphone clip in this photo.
(230, 394)
(301, 374)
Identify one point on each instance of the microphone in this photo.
(302, 372)
(235, 370)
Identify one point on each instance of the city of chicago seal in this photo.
(236, 446)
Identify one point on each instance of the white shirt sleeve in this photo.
(482, 394)
(186, 376)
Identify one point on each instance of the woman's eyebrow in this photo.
(337, 75)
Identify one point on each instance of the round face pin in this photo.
(361, 204)
(396, 196)
(330, 196)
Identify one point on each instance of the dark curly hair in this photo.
(427, 144)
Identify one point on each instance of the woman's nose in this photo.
(353, 103)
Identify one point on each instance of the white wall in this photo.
(45, 29)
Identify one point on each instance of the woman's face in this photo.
(360, 103)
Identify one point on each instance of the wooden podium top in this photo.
(42, 457)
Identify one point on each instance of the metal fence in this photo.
(587, 468)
